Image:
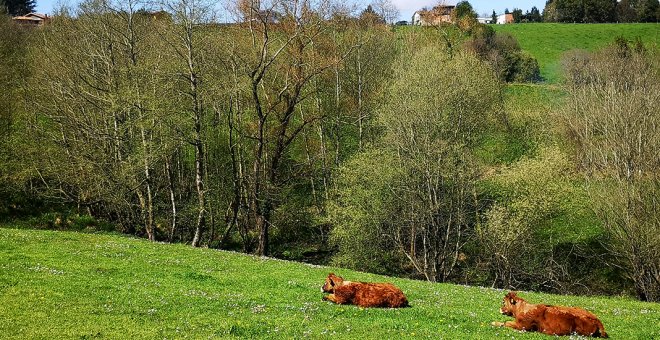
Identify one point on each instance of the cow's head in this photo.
(331, 282)
(510, 304)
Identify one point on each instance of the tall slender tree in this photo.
(279, 58)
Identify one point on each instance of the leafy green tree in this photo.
(369, 15)
(189, 16)
(419, 199)
(534, 15)
(528, 194)
(464, 9)
(625, 12)
(599, 11)
(584, 10)
(503, 52)
(366, 71)
(12, 53)
(96, 113)
(18, 7)
(275, 91)
(648, 10)
(550, 11)
(361, 211)
(569, 10)
(517, 15)
(13, 72)
(493, 18)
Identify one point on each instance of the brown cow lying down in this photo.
(551, 320)
(363, 294)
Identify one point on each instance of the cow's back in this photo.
(378, 295)
(569, 320)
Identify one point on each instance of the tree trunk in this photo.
(199, 184)
(168, 170)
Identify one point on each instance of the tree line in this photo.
(593, 11)
(588, 11)
(310, 131)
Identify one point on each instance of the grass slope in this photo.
(547, 42)
(75, 285)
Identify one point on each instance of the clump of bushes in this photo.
(68, 221)
(504, 54)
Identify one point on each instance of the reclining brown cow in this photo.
(363, 294)
(547, 319)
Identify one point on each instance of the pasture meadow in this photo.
(548, 41)
(56, 284)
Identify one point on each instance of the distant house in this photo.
(506, 18)
(435, 16)
(31, 19)
(484, 20)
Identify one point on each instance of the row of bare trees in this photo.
(613, 119)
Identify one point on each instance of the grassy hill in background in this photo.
(547, 42)
(76, 285)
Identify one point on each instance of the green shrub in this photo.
(503, 53)
(361, 211)
(68, 221)
(527, 69)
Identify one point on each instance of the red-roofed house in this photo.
(32, 19)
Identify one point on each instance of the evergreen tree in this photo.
(550, 11)
(534, 15)
(463, 9)
(517, 15)
(493, 18)
(570, 10)
(18, 7)
(647, 10)
(625, 11)
(370, 17)
(599, 10)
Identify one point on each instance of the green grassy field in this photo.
(547, 42)
(77, 285)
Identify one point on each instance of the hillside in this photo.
(75, 285)
(547, 42)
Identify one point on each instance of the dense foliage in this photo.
(590, 11)
(17, 7)
(419, 182)
(503, 52)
